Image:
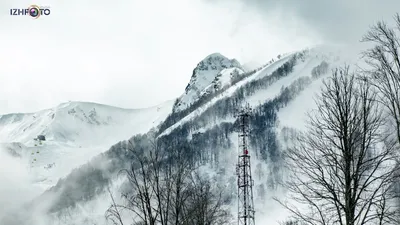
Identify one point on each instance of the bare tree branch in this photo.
(341, 170)
(385, 62)
(164, 189)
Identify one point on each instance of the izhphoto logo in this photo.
(33, 11)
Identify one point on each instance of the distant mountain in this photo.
(80, 123)
(74, 132)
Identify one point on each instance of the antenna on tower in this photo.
(243, 169)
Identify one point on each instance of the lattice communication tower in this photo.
(243, 169)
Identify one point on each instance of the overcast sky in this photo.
(136, 54)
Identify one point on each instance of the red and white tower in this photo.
(245, 182)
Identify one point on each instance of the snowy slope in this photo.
(222, 79)
(75, 132)
(79, 122)
(335, 57)
(14, 149)
(294, 115)
(258, 75)
(203, 75)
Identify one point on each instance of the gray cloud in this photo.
(334, 20)
(140, 53)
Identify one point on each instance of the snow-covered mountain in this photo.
(280, 93)
(74, 133)
(79, 122)
(211, 73)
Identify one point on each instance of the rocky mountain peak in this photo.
(203, 75)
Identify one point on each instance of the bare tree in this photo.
(113, 213)
(385, 62)
(162, 190)
(340, 172)
(205, 205)
(141, 190)
(162, 186)
(384, 59)
(140, 200)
